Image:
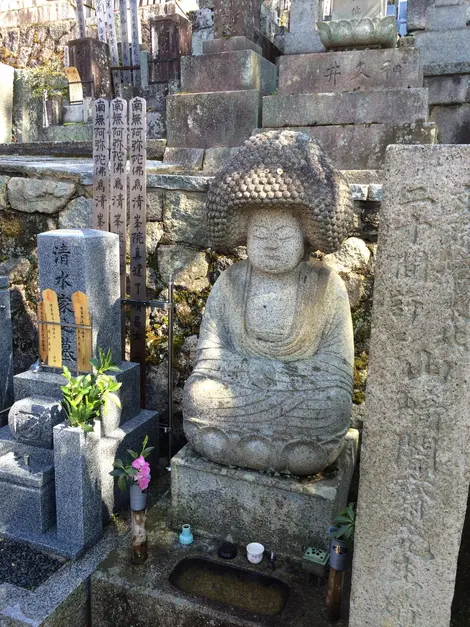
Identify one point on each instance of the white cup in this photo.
(254, 552)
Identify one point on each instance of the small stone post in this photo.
(6, 350)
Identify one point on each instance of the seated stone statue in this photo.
(272, 385)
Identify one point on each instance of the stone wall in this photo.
(176, 243)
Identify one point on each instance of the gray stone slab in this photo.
(224, 118)
(447, 67)
(453, 89)
(44, 383)
(351, 70)
(344, 10)
(6, 102)
(214, 158)
(416, 14)
(155, 149)
(85, 260)
(302, 36)
(446, 17)
(363, 146)
(213, 46)
(398, 106)
(414, 484)
(448, 47)
(188, 158)
(269, 508)
(453, 123)
(236, 17)
(32, 419)
(179, 181)
(6, 348)
(77, 465)
(228, 71)
(40, 471)
(184, 217)
(26, 508)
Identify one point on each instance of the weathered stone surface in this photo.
(397, 106)
(453, 123)
(453, 89)
(6, 102)
(194, 119)
(245, 409)
(344, 10)
(353, 256)
(3, 191)
(6, 349)
(84, 260)
(214, 158)
(375, 31)
(188, 158)
(228, 71)
(351, 70)
(448, 46)
(189, 267)
(77, 214)
(184, 182)
(363, 146)
(446, 17)
(416, 14)
(77, 485)
(30, 195)
(213, 46)
(66, 134)
(154, 205)
(32, 419)
(414, 461)
(302, 36)
(154, 232)
(236, 18)
(91, 58)
(204, 492)
(184, 216)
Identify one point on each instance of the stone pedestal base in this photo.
(285, 514)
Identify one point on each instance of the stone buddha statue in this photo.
(272, 385)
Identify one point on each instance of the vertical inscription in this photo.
(100, 10)
(137, 201)
(51, 314)
(118, 181)
(61, 257)
(100, 164)
(112, 41)
(135, 39)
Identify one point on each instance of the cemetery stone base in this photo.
(285, 514)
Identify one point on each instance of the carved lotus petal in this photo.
(376, 31)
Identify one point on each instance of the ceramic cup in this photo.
(254, 552)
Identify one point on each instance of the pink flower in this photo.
(139, 463)
(143, 481)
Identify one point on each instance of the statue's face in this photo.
(275, 241)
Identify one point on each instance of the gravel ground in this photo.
(23, 566)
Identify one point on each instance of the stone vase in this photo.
(137, 498)
(78, 484)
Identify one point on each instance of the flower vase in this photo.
(186, 537)
(138, 499)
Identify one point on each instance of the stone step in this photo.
(68, 133)
(384, 106)
(448, 89)
(351, 70)
(440, 48)
(228, 71)
(362, 146)
(203, 120)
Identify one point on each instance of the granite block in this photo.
(228, 71)
(77, 465)
(302, 36)
(85, 260)
(115, 445)
(440, 18)
(32, 419)
(268, 507)
(188, 158)
(236, 18)
(448, 89)
(448, 46)
(224, 118)
(416, 14)
(213, 46)
(44, 383)
(414, 481)
(397, 106)
(352, 70)
(6, 102)
(363, 146)
(6, 348)
(453, 123)
(214, 158)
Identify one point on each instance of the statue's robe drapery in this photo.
(280, 404)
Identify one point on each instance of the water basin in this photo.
(251, 591)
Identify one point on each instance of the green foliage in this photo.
(344, 524)
(49, 77)
(86, 396)
(126, 472)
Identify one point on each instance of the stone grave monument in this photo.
(55, 478)
(269, 399)
(303, 36)
(414, 463)
(6, 350)
(220, 103)
(91, 58)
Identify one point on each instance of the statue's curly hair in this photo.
(280, 169)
